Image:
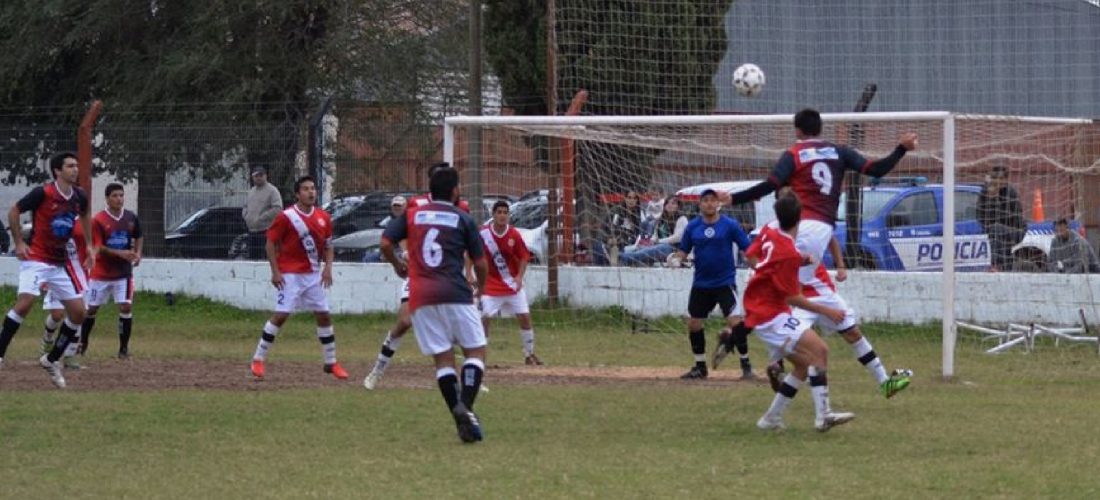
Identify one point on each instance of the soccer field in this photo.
(607, 418)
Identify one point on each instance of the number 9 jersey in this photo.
(815, 170)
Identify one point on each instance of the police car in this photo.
(902, 226)
(902, 229)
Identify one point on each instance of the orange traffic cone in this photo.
(1037, 214)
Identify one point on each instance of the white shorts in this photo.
(831, 300)
(60, 281)
(781, 334)
(813, 239)
(120, 290)
(301, 292)
(515, 304)
(405, 291)
(440, 326)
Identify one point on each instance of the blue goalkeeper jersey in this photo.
(713, 245)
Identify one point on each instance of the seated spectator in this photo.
(1069, 252)
(655, 249)
(625, 224)
(1001, 217)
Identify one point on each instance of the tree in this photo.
(633, 58)
(256, 65)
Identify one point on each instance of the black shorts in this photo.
(702, 301)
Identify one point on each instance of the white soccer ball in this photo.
(748, 80)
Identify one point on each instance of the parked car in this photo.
(902, 229)
(360, 212)
(207, 234)
(902, 226)
(369, 214)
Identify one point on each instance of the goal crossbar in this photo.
(945, 118)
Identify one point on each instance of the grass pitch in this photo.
(1011, 426)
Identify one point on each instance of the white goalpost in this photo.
(590, 162)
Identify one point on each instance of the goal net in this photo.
(598, 199)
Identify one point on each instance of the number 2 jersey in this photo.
(293, 257)
(815, 170)
(438, 235)
(776, 276)
(55, 216)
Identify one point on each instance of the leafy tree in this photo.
(258, 65)
(633, 58)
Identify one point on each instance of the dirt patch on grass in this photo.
(201, 374)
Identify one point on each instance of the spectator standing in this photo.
(1069, 252)
(1001, 217)
(263, 204)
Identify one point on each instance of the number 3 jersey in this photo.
(116, 234)
(815, 170)
(776, 276)
(439, 236)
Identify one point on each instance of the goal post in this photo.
(914, 218)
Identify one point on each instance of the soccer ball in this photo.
(748, 80)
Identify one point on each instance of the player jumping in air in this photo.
(771, 292)
(814, 169)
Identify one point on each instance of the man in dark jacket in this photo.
(1001, 217)
(1069, 252)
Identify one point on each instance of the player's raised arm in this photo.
(878, 168)
(778, 177)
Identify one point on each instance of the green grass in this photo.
(1011, 426)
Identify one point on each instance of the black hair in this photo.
(501, 203)
(788, 210)
(436, 167)
(112, 187)
(302, 180)
(999, 171)
(443, 183)
(1062, 221)
(57, 162)
(808, 121)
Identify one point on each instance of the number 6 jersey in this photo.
(439, 236)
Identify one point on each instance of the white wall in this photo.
(879, 296)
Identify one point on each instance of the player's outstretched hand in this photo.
(841, 274)
(725, 198)
(836, 315)
(909, 140)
